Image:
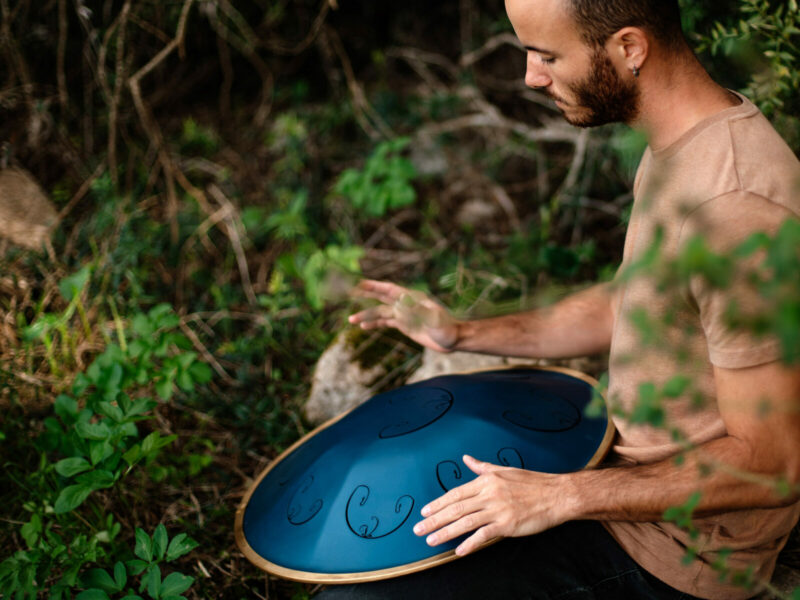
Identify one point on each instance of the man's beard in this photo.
(604, 95)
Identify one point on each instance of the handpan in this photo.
(339, 506)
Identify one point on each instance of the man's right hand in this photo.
(409, 311)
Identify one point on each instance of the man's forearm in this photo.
(727, 472)
(578, 325)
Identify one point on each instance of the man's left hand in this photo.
(500, 502)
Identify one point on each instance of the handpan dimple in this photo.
(547, 413)
(302, 508)
(365, 524)
(448, 473)
(510, 457)
(425, 405)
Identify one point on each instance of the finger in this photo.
(459, 494)
(479, 467)
(466, 524)
(371, 314)
(384, 291)
(477, 540)
(448, 515)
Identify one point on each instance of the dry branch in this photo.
(316, 27)
(492, 44)
(151, 125)
(370, 121)
(235, 232)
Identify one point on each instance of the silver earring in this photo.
(635, 71)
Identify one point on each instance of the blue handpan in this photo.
(339, 505)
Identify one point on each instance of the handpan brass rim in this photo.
(433, 561)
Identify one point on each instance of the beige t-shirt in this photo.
(728, 177)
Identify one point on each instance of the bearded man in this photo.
(714, 167)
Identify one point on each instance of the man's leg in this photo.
(575, 561)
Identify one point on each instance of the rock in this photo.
(341, 379)
(435, 363)
(428, 157)
(27, 216)
(476, 211)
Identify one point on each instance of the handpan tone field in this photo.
(339, 505)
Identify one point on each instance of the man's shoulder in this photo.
(763, 161)
(736, 152)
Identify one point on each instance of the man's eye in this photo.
(548, 61)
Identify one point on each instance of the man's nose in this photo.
(536, 75)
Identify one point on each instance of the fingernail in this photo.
(460, 551)
(418, 528)
(431, 540)
(426, 510)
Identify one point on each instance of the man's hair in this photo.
(600, 19)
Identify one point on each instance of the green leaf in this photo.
(144, 545)
(200, 372)
(164, 389)
(175, 584)
(99, 578)
(66, 408)
(71, 497)
(181, 544)
(92, 431)
(135, 567)
(152, 581)
(98, 451)
(133, 455)
(160, 541)
(677, 386)
(73, 285)
(72, 466)
(32, 530)
(109, 410)
(120, 575)
(97, 479)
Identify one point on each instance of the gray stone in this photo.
(27, 217)
(435, 363)
(340, 381)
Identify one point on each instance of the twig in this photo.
(247, 46)
(82, 191)
(316, 27)
(548, 133)
(376, 127)
(233, 226)
(63, 96)
(492, 44)
(210, 359)
(151, 125)
(507, 204)
(419, 59)
(149, 28)
(119, 77)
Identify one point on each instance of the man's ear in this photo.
(628, 48)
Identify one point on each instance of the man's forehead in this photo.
(542, 25)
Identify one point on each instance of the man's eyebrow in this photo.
(539, 50)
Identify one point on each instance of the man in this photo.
(714, 166)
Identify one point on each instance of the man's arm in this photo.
(578, 325)
(761, 409)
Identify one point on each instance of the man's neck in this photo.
(676, 96)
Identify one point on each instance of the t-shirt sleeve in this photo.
(724, 223)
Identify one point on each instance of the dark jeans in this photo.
(576, 561)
